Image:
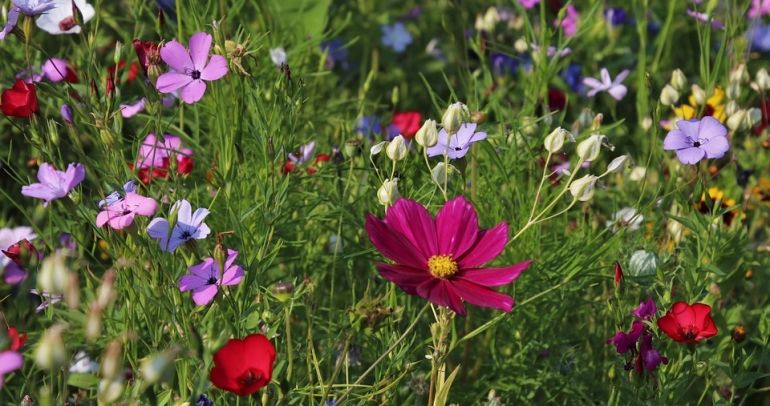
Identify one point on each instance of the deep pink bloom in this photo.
(570, 22)
(189, 69)
(645, 310)
(625, 342)
(529, 3)
(205, 278)
(56, 70)
(54, 184)
(120, 214)
(442, 260)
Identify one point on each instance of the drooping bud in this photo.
(753, 117)
(669, 96)
(733, 91)
(109, 391)
(396, 149)
(617, 164)
(555, 140)
(597, 121)
(53, 277)
(377, 148)
(427, 135)
(387, 194)
(441, 172)
(51, 353)
(737, 121)
(739, 75)
(731, 107)
(678, 80)
(762, 79)
(698, 94)
(454, 117)
(583, 189)
(588, 149)
(112, 361)
(106, 293)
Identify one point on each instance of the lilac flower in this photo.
(61, 18)
(696, 139)
(54, 184)
(46, 299)
(190, 69)
(615, 16)
(459, 144)
(759, 8)
(205, 278)
(56, 70)
(570, 22)
(9, 361)
(705, 18)
(759, 37)
(645, 310)
(66, 113)
(395, 37)
(130, 110)
(529, 3)
(336, 54)
(615, 88)
(188, 226)
(551, 52)
(30, 75)
(32, 8)
(503, 65)
(305, 154)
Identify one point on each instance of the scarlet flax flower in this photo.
(689, 324)
(243, 366)
(442, 260)
(20, 100)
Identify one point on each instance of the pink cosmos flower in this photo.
(442, 260)
(120, 214)
(54, 184)
(205, 278)
(189, 69)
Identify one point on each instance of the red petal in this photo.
(457, 227)
(413, 221)
(405, 277)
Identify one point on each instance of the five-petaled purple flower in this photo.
(190, 69)
(54, 184)
(696, 139)
(188, 226)
(206, 277)
(119, 211)
(459, 144)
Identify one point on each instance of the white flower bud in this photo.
(528, 125)
(51, 353)
(387, 194)
(427, 135)
(555, 140)
(521, 45)
(669, 96)
(731, 107)
(441, 172)
(637, 173)
(583, 189)
(589, 148)
(646, 123)
(617, 164)
(762, 79)
(278, 56)
(699, 95)
(753, 117)
(109, 391)
(740, 74)
(488, 21)
(157, 367)
(643, 263)
(737, 121)
(454, 117)
(54, 275)
(377, 148)
(733, 91)
(678, 80)
(396, 149)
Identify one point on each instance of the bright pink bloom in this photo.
(529, 3)
(155, 157)
(189, 69)
(205, 278)
(570, 21)
(442, 260)
(121, 213)
(759, 8)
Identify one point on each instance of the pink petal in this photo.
(204, 295)
(605, 75)
(176, 56)
(490, 244)
(393, 245)
(102, 218)
(47, 174)
(592, 83)
(172, 81)
(440, 292)
(38, 191)
(494, 276)
(10, 361)
(120, 222)
(130, 110)
(216, 68)
(404, 277)
(74, 175)
(141, 205)
(457, 227)
(200, 44)
(413, 221)
(190, 282)
(231, 256)
(193, 91)
(233, 275)
(481, 296)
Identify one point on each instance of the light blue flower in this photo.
(396, 37)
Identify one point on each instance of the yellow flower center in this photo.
(442, 266)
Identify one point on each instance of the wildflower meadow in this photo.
(317, 202)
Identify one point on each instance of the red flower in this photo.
(148, 53)
(243, 366)
(20, 100)
(765, 122)
(407, 122)
(556, 99)
(17, 340)
(115, 71)
(689, 324)
(618, 273)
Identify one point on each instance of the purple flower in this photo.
(336, 54)
(615, 88)
(9, 361)
(368, 125)
(625, 342)
(46, 299)
(551, 51)
(696, 139)
(650, 358)
(503, 65)
(30, 8)
(646, 309)
(190, 69)
(459, 144)
(395, 37)
(205, 278)
(615, 16)
(705, 18)
(759, 37)
(305, 154)
(130, 110)
(54, 184)
(572, 76)
(66, 113)
(188, 226)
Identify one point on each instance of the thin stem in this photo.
(540, 187)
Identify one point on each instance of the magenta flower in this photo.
(529, 3)
(696, 139)
(570, 22)
(442, 260)
(189, 69)
(56, 70)
(156, 154)
(9, 361)
(637, 342)
(645, 310)
(205, 278)
(120, 213)
(54, 184)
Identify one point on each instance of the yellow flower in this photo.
(714, 107)
(717, 202)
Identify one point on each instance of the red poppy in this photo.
(20, 100)
(689, 324)
(407, 122)
(17, 340)
(243, 366)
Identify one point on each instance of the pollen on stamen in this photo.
(442, 266)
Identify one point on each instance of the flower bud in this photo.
(583, 189)
(528, 125)
(733, 91)
(589, 148)
(731, 108)
(93, 323)
(762, 79)
(352, 148)
(637, 173)
(377, 148)
(51, 353)
(753, 117)
(555, 140)
(109, 391)
(597, 121)
(53, 276)
(643, 263)
(678, 80)
(158, 367)
(106, 293)
(739, 75)
(72, 292)
(441, 172)
(698, 94)
(427, 135)
(669, 96)
(521, 45)
(737, 121)
(283, 291)
(396, 149)
(454, 117)
(617, 164)
(646, 123)
(388, 192)
(112, 360)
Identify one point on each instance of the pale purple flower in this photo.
(529, 3)
(615, 88)
(189, 226)
(278, 56)
(205, 278)
(32, 8)
(570, 22)
(759, 8)
(30, 75)
(551, 51)
(130, 110)
(56, 69)
(459, 144)
(645, 310)
(396, 37)
(190, 69)
(305, 154)
(120, 213)
(9, 362)
(696, 139)
(54, 184)
(61, 18)
(46, 299)
(66, 113)
(705, 18)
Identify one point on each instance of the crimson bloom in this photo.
(243, 366)
(442, 260)
(407, 122)
(689, 324)
(20, 100)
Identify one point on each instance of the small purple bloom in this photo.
(46, 299)
(188, 226)
(66, 113)
(503, 65)
(625, 342)
(646, 309)
(396, 37)
(759, 8)
(190, 69)
(551, 52)
(368, 126)
(54, 184)
(696, 139)
(205, 278)
(305, 154)
(759, 37)
(572, 77)
(336, 54)
(615, 88)
(529, 3)
(615, 16)
(570, 22)
(56, 69)
(459, 144)
(130, 110)
(650, 357)
(705, 18)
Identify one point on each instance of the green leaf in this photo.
(443, 391)
(83, 381)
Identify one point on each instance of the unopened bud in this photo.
(597, 121)
(387, 194)
(72, 292)
(731, 107)
(441, 172)
(377, 148)
(753, 117)
(116, 56)
(51, 353)
(737, 121)
(555, 140)
(283, 291)
(669, 96)
(733, 91)
(352, 148)
(396, 149)
(112, 360)
(521, 45)
(106, 293)
(678, 80)
(588, 149)
(53, 277)
(427, 135)
(109, 391)
(583, 189)
(454, 117)
(740, 74)
(762, 79)
(617, 164)
(158, 367)
(646, 123)
(698, 94)
(93, 323)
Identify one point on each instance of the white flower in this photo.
(83, 364)
(61, 19)
(626, 217)
(278, 56)
(669, 95)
